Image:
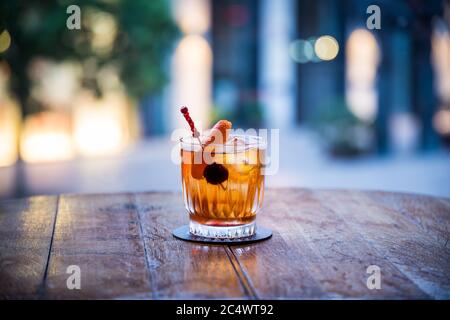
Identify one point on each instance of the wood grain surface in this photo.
(323, 243)
(26, 227)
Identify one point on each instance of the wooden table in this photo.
(323, 243)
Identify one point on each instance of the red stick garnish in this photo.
(184, 110)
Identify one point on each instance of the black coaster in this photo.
(184, 234)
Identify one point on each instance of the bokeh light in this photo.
(46, 137)
(441, 122)
(440, 42)
(100, 126)
(192, 15)
(104, 29)
(191, 79)
(5, 41)
(326, 48)
(362, 57)
(9, 130)
(301, 51)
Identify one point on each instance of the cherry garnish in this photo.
(215, 173)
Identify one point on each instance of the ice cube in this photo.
(235, 144)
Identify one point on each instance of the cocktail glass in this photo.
(223, 185)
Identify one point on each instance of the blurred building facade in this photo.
(286, 64)
(388, 78)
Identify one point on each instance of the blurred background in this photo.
(91, 110)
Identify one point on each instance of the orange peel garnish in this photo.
(219, 133)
